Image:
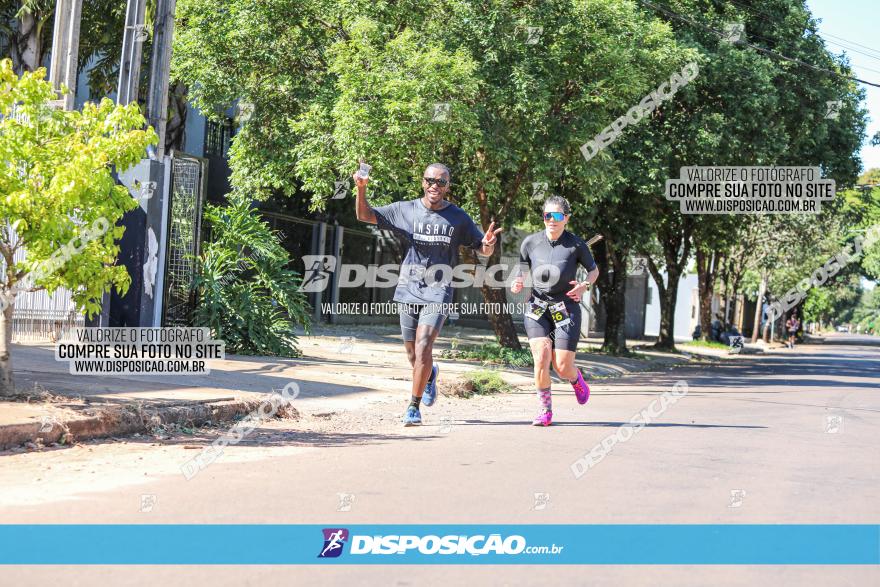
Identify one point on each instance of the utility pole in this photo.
(156, 229)
(132, 52)
(143, 246)
(65, 50)
(160, 70)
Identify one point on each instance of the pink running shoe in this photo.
(581, 389)
(543, 419)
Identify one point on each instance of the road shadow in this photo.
(36, 367)
(263, 438)
(605, 424)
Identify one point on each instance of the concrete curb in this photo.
(125, 420)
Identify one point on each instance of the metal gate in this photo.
(188, 186)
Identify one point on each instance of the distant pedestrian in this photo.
(792, 325)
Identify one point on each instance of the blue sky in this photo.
(857, 21)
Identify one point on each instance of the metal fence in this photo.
(38, 316)
(184, 236)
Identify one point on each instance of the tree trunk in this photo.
(502, 323)
(707, 265)
(175, 130)
(765, 278)
(6, 383)
(612, 292)
(675, 261)
(666, 340)
(725, 279)
(26, 44)
(734, 296)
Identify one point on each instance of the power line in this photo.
(850, 42)
(847, 49)
(773, 18)
(769, 52)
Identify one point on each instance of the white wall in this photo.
(686, 316)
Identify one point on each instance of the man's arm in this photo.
(362, 208)
(489, 240)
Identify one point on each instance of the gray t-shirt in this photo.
(434, 237)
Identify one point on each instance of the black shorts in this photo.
(414, 315)
(564, 337)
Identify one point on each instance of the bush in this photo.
(480, 382)
(246, 294)
(491, 353)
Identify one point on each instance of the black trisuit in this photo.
(539, 253)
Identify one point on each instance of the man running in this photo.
(435, 229)
(553, 316)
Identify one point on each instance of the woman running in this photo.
(553, 315)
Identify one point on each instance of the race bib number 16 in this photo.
(559, 314)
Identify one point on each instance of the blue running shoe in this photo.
(430, 395)
(413, 417)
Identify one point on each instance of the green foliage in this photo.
(746, 108)
(490, 353)
(56, 183)
(349, 79)
(484, 382)
(866, 316)
(247, 295)
(833, 303)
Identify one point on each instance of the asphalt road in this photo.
(788, 437)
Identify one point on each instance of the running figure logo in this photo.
(736, 344)
(733, 32)
(317, 273)
(334, 540)
(639, 266)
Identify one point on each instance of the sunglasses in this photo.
(438, 180)
(557, 216)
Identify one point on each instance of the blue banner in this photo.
(637, 544)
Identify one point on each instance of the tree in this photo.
(504, 94)
(866, 317)
(25, 25)
(59, 202)
(745, 108)
(833, 303)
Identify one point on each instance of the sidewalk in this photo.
(342, 367)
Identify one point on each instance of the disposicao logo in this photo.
(407, 544)
(472, 545)
(334, 540)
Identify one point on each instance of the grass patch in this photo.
(598, 350)
(709, 344)
(490, 354)
(479, 382)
